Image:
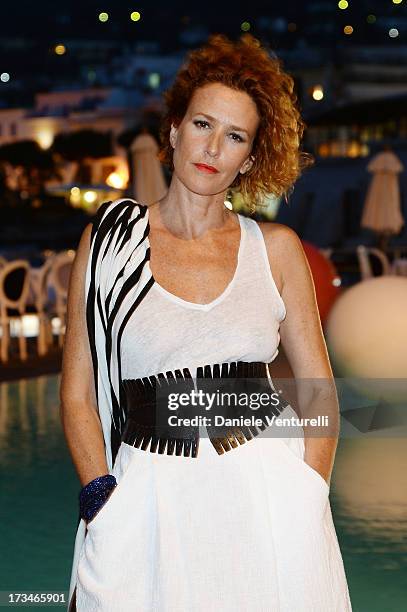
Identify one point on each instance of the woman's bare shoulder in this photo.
(283, 247)
(278, 232)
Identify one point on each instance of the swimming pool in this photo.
(39, 503)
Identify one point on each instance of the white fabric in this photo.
(116, 269)
(247, 531)
(167, 332)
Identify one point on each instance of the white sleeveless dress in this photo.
(247, 531)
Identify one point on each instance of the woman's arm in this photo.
(78, 407)
(303, 341)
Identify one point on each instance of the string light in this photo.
(393, 33)
(45, 137)
(75, 196)
(343, 4)
(245, 26)
(4, 77)
(103, 17)
(90, 197)
(397, 1)
(60, 49)
(154, 80)
(317, 92)
(135, 16)
(348, 29)
(115, 180)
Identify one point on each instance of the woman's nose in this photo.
(213, 144)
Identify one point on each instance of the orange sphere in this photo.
(326, 279)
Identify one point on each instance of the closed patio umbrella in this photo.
(381, 212)
(149, 184)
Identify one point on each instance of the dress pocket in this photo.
(121, 470)
(297, 454)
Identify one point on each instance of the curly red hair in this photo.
(245, 65)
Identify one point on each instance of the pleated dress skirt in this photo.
(247, 531)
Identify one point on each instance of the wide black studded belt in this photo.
(147, 400)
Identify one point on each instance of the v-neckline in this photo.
(195, 305)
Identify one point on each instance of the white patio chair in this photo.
(399, 266)
(39, 298)
(14, 288)
(326, 252)
(364, 253)
(58, 279)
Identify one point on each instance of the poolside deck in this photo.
(14, 369)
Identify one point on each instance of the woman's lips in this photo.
(207, 169)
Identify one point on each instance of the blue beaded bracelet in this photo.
(94, 495)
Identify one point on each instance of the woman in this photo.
(186, 291)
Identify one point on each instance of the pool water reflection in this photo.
(39, 510)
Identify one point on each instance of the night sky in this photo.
(30, 31)
(46, 21)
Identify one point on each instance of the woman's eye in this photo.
(200, 122)
(203, 124)
(238, 138)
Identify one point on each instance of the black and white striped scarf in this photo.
(117, 279)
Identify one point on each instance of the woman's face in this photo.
(218, 130)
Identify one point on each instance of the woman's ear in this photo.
(247, 165)
(173, 135)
